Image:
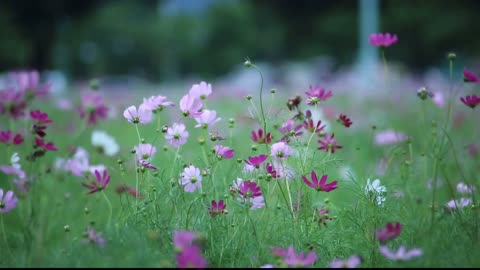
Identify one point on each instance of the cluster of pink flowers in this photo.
(248, 193)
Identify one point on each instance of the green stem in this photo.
(5, 237)
(109, 207)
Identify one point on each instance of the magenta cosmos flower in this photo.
(329, 144)
(207, 119)
(280, 150)
(10, 137)
(471, 101)
(99, 184)
(382, 39)
(191, 257)
(7, 202)
(190, 106)
(256, 161)
(257, 136)
(157, 103)
(191, 179)
(224, 151)
(202, 90)
(401, 254)
(250, 194)
(391, 231)
(177, 135)
(344, 120)
(12, 103)
(141, 116)
(320, 185)
(92, 107)
(309, 125)
(317, 94)
(469, 76)
(50, 146)
(217, 208)
(183, 239)
(352, 262)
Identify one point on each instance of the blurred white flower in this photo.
(375, 191)
(106, 142)
(14, 161)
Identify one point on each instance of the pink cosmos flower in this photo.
(288, 130)
(469, 76)
(145, 151)
(344, 120)
(280, 150)
(177, 135)
(256, 161)
(439, 99)
(92, 107)
(250, 194)
(391, 231)
(401, 254)
(12, 103)
(320, 185)
(190, 106)
(224, 151)
(157, 103)
(330, 144)
(191, 257)
(202, 90)
(50, 146)
(471, 101)
(40, 117)
(464, 188)
(13, 170)
(271, 170)
(9, 137)
(183, 239)
(456, 204)
(389, 137)
(299, 259)
(317, 94)
(309, 125)
(257, 136)
(207, 119)
(352, 262)
(99, 184)
(141, 116)
(94, 238)
(323, 215)
(191, 179)
(382, 40)
(28, 82)
(7, 202)
(217, 208)
(77, 164)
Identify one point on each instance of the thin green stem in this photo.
(109, 207)
(5, 237)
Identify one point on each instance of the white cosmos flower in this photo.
(14, 161)
(375, 191)
(106, 142)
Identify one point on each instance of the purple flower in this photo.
(191, 257)
(455, 204)
(28, 82)
(391, 231)
(183, 239)
(224, 151)
(401, 254)
(207, 119)
(92, 107)
(191, 179)
(471, 101)
(280, 150)
(12, 103)
(156, 103)
(389, 137)
(469, 76)
(177, 135)
(217, 208)
(344, 120)
(330, 144)
(9, 137)
(141, 116)
(257, 136)
(464, 188)
(202, 90)
(145, 151)
(352, 262)
(13, 170)
(320, 185)
(7, 202)
(299, 259)
(50, 146)
(251, 194)
(256, 161)
(317, 94)
(382, 40)
(94, 238)
(99, 184)
(190, 106)
(311, 127)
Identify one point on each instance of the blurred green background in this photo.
(171, 39)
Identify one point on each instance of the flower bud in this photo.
(452, 56)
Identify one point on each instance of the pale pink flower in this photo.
(456, 204)
(280, 150)
(202, 90)
(401, 254)
(7, 202)
(224, 151)
(141, 116)
(207, 119)
(177, 134)
(389, 137)
(439, 99)
(464, 188)
(157, 103)
(299, 259)
(352, 262)
(190, 106)
(191, 179)
(145, 151)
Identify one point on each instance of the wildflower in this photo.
(217, 208)
(14, 161)
(323, 216)
(471, 101)
(207, 119)
(215, 135)
(258, 137)
(183, 239)
(464, 188)
(382, 40)
(28, 82)
(145, 164)
(375, 191)
(156, 103)
(141, 116)
(9, 137)
(14, 167)
(191, 179)
(191, 257)
(280, 150)
(50, 146)
(469, 76)
(177, 135)
(317, 94)
(289, 130)
(202, 90)
(99, 184)
(12, 103)
(330, 144)
(190, 106)
(294, 102)
(352, 262)
(256, 161)
(248, 168)
(401, 254)
(344, 120)
(224, 151)
(455, 204)
(78, 163)
(7, 202)
(145, 151)
(92, 107)
(390, 232)
(389, 137)
(94, 238)
(322, 185)
(251, 194)
(309, 125)
(299, 259)
(105, 143)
